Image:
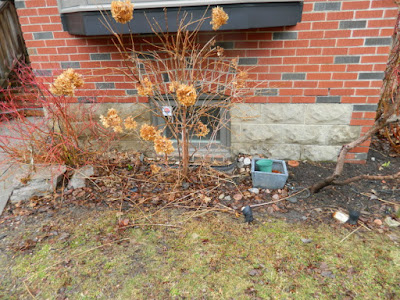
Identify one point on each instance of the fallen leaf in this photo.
(293, 163)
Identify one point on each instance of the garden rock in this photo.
(44, 180)
(254, 190)
(78, 180)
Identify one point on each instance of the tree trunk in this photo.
(387, 112)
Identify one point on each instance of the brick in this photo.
(365, 32)
(311, 35)
(390, 13)
(296, 44)
(378, 41)
(382, 3)
(70, 64)
(295, 60)
(359, 107)
(323, 43)
(47, 50)
(307, 68)
(279, 99)
(359, 68)
(51, 27)
(248, 61)
(330, 84)
(313, 17)
(280, 69)
(347, 59)
(326, 6)
(246, 45)
(335, 51)
(344, 76)
(342, 92)
(337, 34)
(371, 76)
(131, 92)
(19, 4)
(257, 36)
(373, 99)
(316, 92)
(226, 45)
(383, 50)
(386, 32)
(282, 84)
(32, 28)
(27, 12)
(67, 50)
(283, 52)
(357, 115)
(381, 23)
(100, 56)
(350, 42)
(355, 5)
(296, 99)
(328, 99)
(333, 68)
(352, 24)
(43, 11)
(284, 36)
(376, 83)
(305, 84)
(105, 85)
(367, 92)
(354, 84)
(320, 60)
(318, 76)
(353, 99)
(291, 92)
(43, 35)
(362, 50)
(267, 92)
(270, 60)
(374, 59)
(343, 15)
(271, 44)
(293, 76)
(379, 67)
(370, 115)
(43, 73)
(373, 14)
(358, 122)
(39, 20)
(55, 43)
(308, 51)
(325, 25)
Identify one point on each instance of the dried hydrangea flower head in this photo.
(201, 129)
(112, 120)
(241, 79)
(162, 145)
(148, 132)
(145, 88)
(66, 83)
(155, 169)
(173, 86)
(220, 51)
(218, 17)
(130, 123)
(186, 94)
(122, 12)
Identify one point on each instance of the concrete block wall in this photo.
(331, 63)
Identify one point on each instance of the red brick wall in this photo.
(337, 54)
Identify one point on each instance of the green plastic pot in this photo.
(264, 165)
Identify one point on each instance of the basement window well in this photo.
(84, 17)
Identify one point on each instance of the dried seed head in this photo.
(130, 123)
(155, 169)
(186, 94)
(241, 79)
(148, 132)
(173, 86)
(162, 145)
(122, 12)
(66, 83)
(111, 120)
(220, 51)
(145, 88)
(219, 17)
(201, 129)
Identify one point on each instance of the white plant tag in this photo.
(167, 111)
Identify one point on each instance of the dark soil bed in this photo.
(117, 188)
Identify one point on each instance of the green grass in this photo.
(211, 257)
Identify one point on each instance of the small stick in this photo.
(27, 288)
(151, 224)
(350, 234)
(276, 201)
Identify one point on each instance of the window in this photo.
(217, 117)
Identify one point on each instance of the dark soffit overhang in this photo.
(241, 16)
